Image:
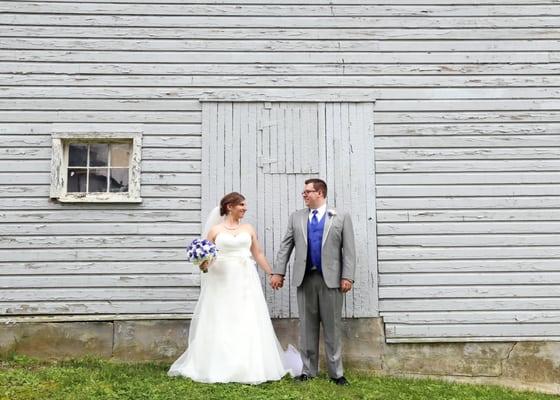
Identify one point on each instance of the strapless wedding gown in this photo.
(231, 337)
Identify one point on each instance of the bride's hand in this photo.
(204, 266)
(276, 281)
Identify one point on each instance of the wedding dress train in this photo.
(231, 337)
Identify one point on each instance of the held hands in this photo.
(276, 281)
(345, 285)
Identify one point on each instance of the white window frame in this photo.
(59, 167)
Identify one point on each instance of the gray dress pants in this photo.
(318, 304)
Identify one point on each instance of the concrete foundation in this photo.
(524, 365)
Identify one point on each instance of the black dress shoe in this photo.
(303, 378)
(342, 381)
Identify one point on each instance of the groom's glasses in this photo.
(306, 192)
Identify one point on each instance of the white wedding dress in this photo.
(231, 337)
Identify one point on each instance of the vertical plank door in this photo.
(266, 150)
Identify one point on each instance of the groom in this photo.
(323, 271)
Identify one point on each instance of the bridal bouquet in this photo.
(201, 252)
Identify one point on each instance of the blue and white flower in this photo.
(201, 252)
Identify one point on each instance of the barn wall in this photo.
(466, 139)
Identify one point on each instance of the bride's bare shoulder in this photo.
(248, 227)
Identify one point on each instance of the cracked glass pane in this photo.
(118, 181)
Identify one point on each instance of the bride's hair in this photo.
(233, 199)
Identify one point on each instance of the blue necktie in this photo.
(314, 220)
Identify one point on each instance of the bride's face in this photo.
(238, 211)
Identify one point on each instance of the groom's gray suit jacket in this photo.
(338, 253)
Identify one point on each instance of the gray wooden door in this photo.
(266, 150)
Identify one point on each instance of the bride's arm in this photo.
(258, 254)
(211, 236)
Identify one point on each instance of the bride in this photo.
(231, 337)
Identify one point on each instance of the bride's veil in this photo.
(214, 218)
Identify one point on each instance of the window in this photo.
(96, 167)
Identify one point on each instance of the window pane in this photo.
(97, 180)
(120, 154)
(77, 180)
(77, 155)
(119, 180)
(98, 155)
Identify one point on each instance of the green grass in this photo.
(23, 378)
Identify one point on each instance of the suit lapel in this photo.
(303, 219)
(327, 227)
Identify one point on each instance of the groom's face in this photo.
(311, 197)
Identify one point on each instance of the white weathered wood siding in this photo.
(98, 258)
(467, 141)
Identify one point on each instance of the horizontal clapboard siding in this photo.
(99, 259)
(468, 246)
(467, 125)
(467, 199)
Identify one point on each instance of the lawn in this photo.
(23, 378)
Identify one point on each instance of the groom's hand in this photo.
(345, 285)
(276, 281)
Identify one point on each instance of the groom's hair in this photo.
(232, 198)
(318, 185)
